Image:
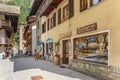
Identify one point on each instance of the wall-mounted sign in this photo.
(87, 28)
(38, 43)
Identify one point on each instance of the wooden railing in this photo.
(5, 23)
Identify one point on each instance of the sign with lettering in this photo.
(87, 28)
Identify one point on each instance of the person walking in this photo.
(36, 55)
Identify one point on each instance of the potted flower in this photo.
(57, 56)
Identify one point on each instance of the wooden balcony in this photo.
(5, 23)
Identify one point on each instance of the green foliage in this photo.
(25, 6)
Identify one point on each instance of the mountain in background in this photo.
(25, 6)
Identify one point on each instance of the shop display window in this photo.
(92, 48)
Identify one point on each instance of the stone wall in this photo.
(99, 71)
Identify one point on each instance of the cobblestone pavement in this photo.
(25, 68)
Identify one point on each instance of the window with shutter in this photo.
(83, 5)
(65, 12)
(48, 24)
(45, 27)
(71, 8)
(42, 28)
(51, 23)
(54, 19)
(59, 16)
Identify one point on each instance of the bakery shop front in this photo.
(92, 47)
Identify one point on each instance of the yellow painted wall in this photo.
(107, 16)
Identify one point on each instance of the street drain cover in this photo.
(36, 77)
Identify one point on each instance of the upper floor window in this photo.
(84, 4)
(65, 12)
(59, 16)
(54, 19)
(48, 24)
(44, 27)
(38, 24)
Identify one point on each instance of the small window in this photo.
(84, 4)
(59, 16)
(65, 12)
(48, 24)
(44, 27)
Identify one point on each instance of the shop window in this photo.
(92, 48)
(65, 12)
(84, 4)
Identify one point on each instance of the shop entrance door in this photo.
(65, 52)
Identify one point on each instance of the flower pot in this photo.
(57, 59)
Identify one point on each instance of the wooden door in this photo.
(65, 52)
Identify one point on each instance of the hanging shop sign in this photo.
(87, 28)
(38, 43)
(49, 40)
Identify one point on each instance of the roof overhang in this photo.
(51, 7)
(35, 7)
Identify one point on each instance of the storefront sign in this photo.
(87, 28)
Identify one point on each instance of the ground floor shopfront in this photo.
(89, 51)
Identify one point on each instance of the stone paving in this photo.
(25, 68)
(6, 69)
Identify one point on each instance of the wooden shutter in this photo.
(71, 8)
(91, 2)
(51, 22)
(42, 28)
(54, 20)
(45, 27)
(59, 16)
(48, 24)
(83, 5)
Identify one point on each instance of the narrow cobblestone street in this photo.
(26, 67)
